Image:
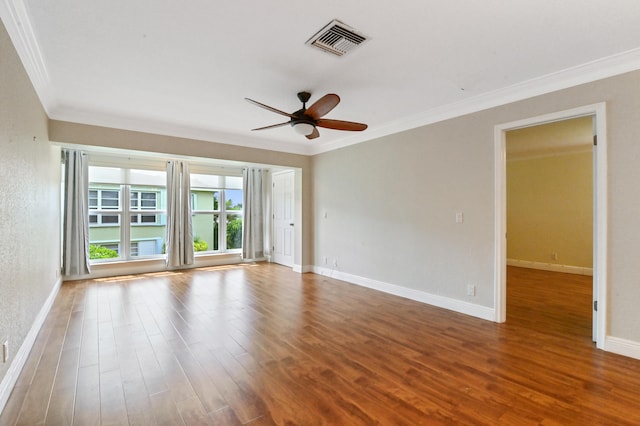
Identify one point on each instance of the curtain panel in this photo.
(254, 204)
(179, 239)
(75, 250)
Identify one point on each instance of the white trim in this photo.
(622, 347)
(600, 259)
(11, 377)
(302, 269)
(568, 269)
(455, 305)
(500, 237)
(570, 77)
(16, 20)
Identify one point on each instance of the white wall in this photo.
(29, 205)
(391, 202)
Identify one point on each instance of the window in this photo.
(121, 230)
(216, 200)
(125, 231)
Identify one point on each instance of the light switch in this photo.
(459, 217)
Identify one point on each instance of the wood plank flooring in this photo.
(261, 345)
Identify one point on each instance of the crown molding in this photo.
(586, 73)
(16, 20)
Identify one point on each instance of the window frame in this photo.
(123, 175)
(222, 213)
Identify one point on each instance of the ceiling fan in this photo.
(306, 120)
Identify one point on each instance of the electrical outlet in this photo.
(5, 351)
(554, 256)
(471, 290)
(335, 263)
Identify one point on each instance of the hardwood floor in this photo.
(261, 345)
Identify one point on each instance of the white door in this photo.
(283, 218)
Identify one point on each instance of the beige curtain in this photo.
(179, 241)
(75, 250)
(254, 206)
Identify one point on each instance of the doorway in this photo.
(596, 111)
(284, 218)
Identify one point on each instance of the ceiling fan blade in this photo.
(272, 109)
(313, 134)
(323, 105)
(273, 126)
(340, 125)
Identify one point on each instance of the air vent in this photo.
(337, 38)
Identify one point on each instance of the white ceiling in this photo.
(183, 68)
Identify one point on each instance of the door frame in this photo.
(600, 210)
(297, 219)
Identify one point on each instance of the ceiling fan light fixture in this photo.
(304, 128)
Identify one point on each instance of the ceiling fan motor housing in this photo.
(304, 96)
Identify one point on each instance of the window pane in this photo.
(234, 231)
(205, 200)
(104, 241)
(147, 237)
(234, 199)
(205, 181)
(233, 182)
(205, 231)
(147, 177)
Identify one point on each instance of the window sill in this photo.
(141, 266)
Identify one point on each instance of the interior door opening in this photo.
(550, 224)
(596, 113)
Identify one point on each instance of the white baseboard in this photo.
(19, 360)
(622, 347)
(554, 267)
(420, 296)
(616, 345)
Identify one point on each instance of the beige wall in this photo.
(550, 209)
(391, 202)
(29, 203)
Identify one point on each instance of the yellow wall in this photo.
(550, 209)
